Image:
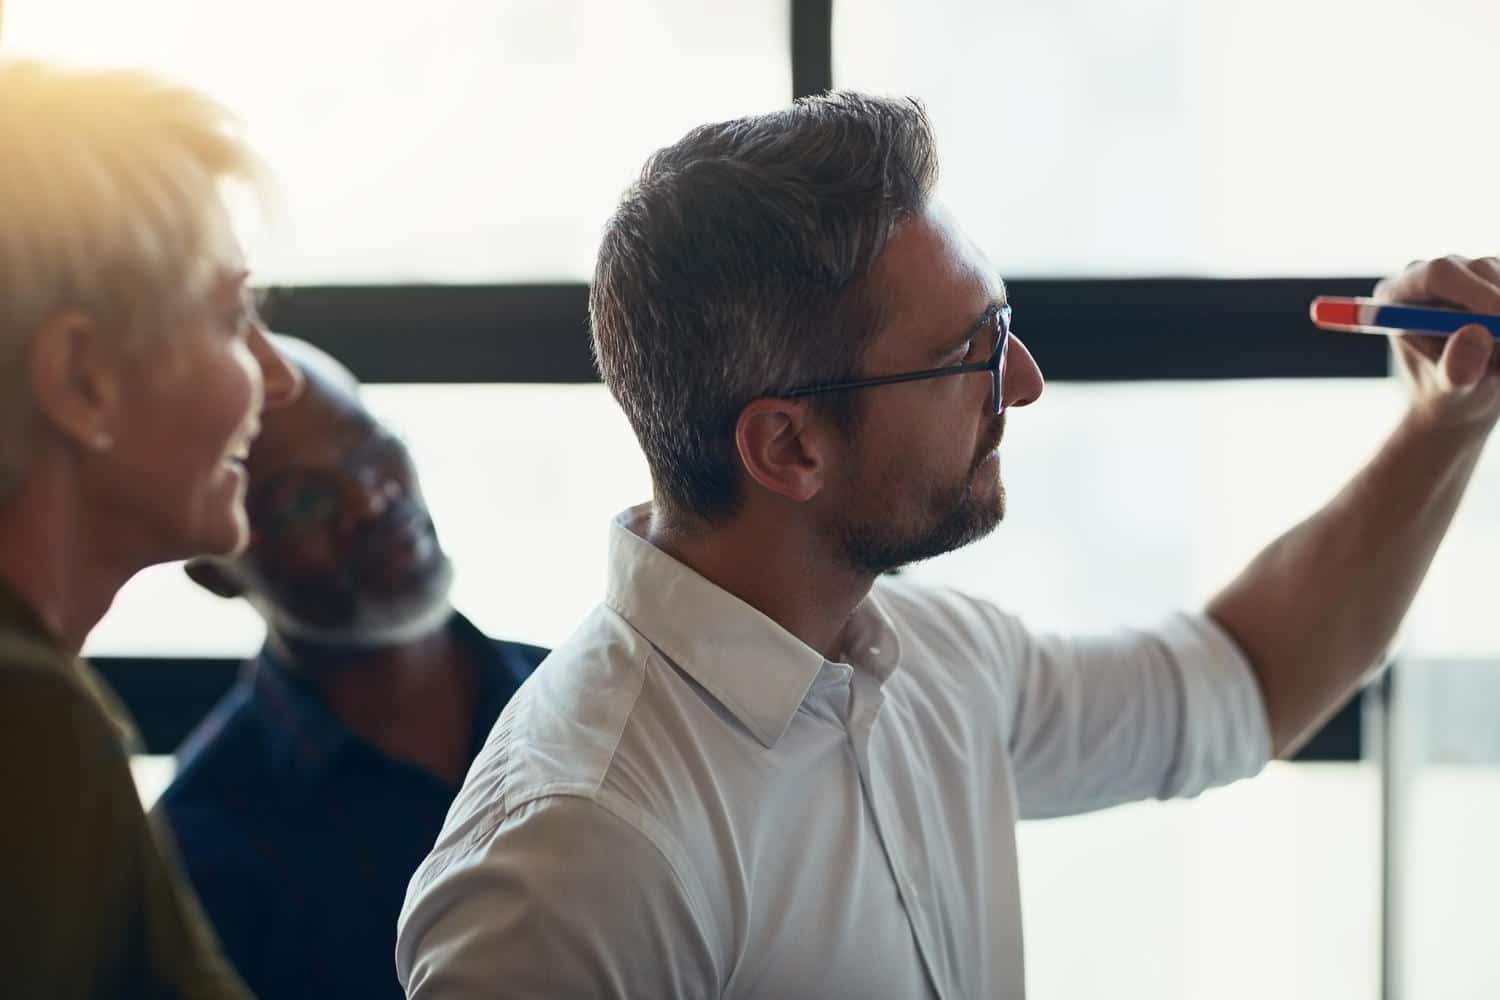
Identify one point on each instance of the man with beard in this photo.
(312, 791)
(762, 769)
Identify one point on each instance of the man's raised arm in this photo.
(1317, 608)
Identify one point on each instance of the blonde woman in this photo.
(132, 377)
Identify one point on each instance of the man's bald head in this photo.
(316, 363)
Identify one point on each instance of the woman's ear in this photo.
(782, 447)
(74, 376)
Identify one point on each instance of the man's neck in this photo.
(51, 560)
(414, 701)
(779, 567)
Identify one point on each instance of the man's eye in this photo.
(298, 504)
(968, 350)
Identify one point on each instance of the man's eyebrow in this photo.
(980, 321)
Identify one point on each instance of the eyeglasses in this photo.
(993, 334)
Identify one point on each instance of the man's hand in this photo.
(1454, 383)
(1319, 606)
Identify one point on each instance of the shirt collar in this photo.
(307, 739)
(759, 672)
(870, 640)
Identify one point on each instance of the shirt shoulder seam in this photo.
(652, 832)
(642, 664)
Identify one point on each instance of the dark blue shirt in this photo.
(300, 836)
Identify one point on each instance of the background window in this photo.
(449, 140)
(1246, 137)
(1266, 888)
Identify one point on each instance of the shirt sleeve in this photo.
(98, 907)
(1163, 713)
(565, 898)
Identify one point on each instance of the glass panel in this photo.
(446, 140)
(1449, 875)
(1255, 137)
(1268, 888)
(1447, 692)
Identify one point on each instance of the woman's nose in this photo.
(282, 380)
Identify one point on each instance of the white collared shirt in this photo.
(686, 801)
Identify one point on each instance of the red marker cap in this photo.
(1335, 312)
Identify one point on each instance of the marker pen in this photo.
(1349, 315)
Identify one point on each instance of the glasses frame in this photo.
(994, 364)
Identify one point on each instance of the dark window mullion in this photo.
(812, 47)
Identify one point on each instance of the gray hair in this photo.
(111, 201)
(736, 267)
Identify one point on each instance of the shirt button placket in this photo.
(865, 702)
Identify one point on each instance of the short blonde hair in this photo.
(111, 201)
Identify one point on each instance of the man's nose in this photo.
(1023, 382)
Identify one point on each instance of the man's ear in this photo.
(74, 376)
(782, 447)
(215, 576)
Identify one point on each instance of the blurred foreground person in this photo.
(134, 379)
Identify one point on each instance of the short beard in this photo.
(373, 625)
(952, 519)
(875, 547)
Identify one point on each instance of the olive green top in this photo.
(92, 901)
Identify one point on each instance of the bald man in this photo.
(310, 794)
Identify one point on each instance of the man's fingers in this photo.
(1487, 268)
(1453, 281)
(1399, 287)
(1466, 357)
(1420, 346)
